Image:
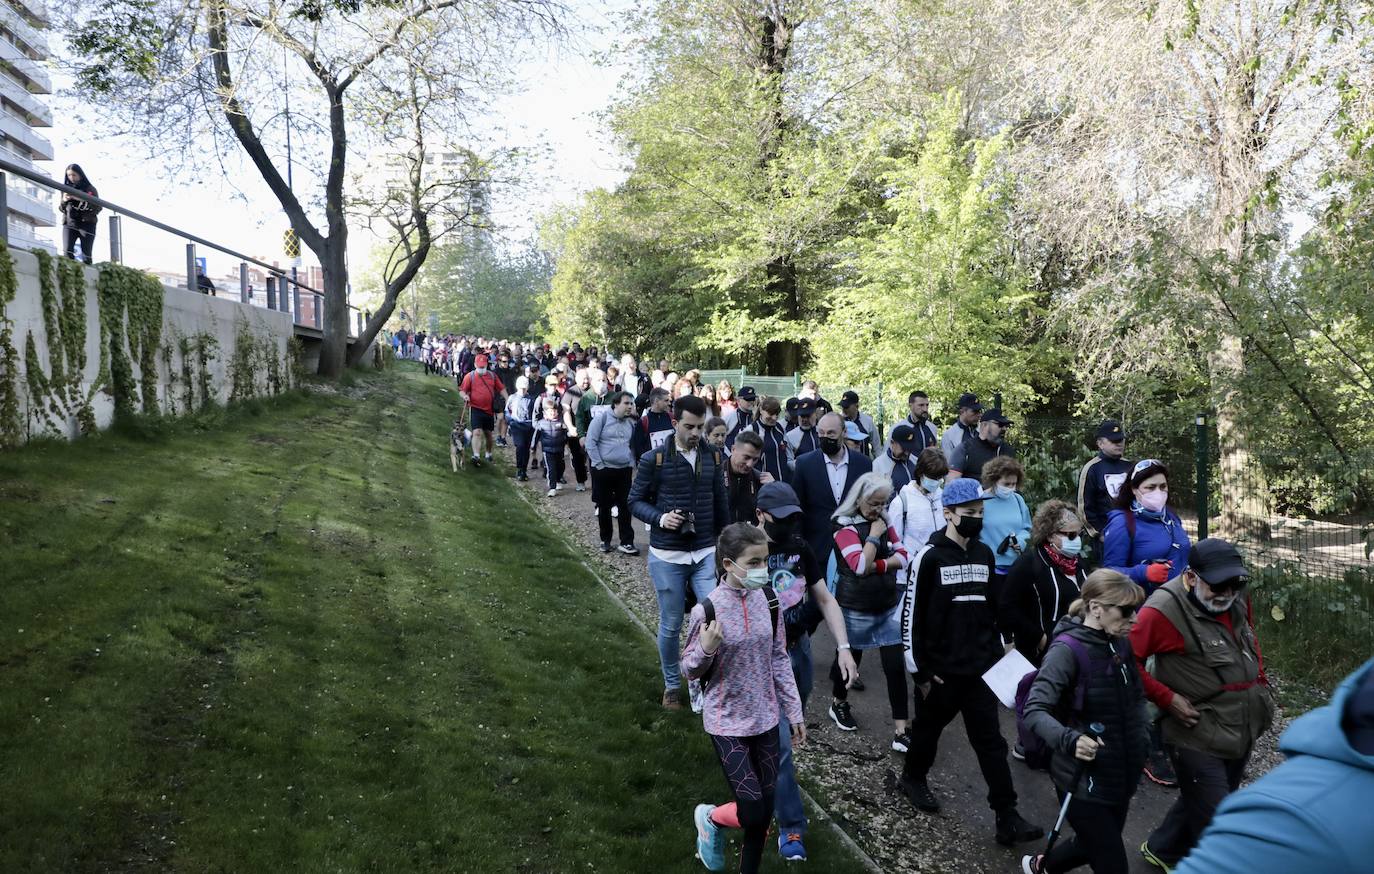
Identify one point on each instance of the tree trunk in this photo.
(334, 351)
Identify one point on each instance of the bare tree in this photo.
(192, 74)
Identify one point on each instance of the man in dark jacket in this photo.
(743, 479)
(950, 637)
(821, 480)
(679, 489)
(969, 458)
(1099, 482)
(1197, 628)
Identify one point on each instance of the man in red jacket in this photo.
(1208, 679)
(482, 392)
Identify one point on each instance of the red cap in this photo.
(481, 361)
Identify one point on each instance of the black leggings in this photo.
(894, 671)
(579, 459)
(1096, 839)
(751, 769)
(85, 232)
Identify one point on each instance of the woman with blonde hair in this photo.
(869, 558)
(725, 396)
(1088, 676)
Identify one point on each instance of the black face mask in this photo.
(830, 445)
(781, 530)
(969, 527)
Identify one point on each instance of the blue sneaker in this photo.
(791, 848)
(710, 843)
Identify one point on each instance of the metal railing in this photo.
(284, 289)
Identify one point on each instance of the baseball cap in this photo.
(904, 436)
(791, 406)
(778, 500)
(964, 490)
(969, 401)
(522, 382)
(1110, 429)
(747, 393)
(1217, 561)
(853, 432)
(996, 417)
(551, 379)
(806, 407)
(849, 399)
(481, 360)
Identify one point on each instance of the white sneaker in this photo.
(581, 488)
(551, 493)
(559, 487)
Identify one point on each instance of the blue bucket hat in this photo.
(964, 490)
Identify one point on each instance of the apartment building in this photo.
(24, 80)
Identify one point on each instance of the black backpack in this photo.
(709, 615)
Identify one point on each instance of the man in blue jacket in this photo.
(679, 489)
(1312, 813)
(821, 479)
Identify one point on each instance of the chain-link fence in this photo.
(1305, 526)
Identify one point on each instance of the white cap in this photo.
(522, 382)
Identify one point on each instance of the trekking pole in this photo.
(1094, 731)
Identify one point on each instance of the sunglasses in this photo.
(1232, 585)
(1126, 611)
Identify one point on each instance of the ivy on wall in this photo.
(130, 316)
(56, 397)
(11, 431)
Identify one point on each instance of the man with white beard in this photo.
(1208, 680)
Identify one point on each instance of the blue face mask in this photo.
(934, 486)
(1071, 546)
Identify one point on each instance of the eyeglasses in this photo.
(1126, 611)
(1069, 533)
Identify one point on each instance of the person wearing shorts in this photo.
(482, 392)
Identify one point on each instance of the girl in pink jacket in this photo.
(741, 659)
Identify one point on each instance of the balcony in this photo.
(19, 132)
(29, 35)
(35, 208)
(21, 236)
(34, 11)
(29, 72)
(36, 112)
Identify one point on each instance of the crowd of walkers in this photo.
(767, 517)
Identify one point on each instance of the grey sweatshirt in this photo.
(608, 441)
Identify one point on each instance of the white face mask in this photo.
(1005, 491)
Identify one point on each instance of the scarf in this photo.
(1067, 565)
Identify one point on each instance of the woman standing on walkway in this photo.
(1044, 581)
(1006, 519)
(917, 513)
(739, 654)
(1089, 675)
(869, 558)
(79, 216)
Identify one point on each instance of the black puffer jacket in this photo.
(1034, 598)
(1113, 696)
(664, 481)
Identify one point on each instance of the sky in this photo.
(562, 89)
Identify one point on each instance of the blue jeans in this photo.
(670, 586)
(787, 800)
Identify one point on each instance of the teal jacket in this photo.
(1003, 516)
(1312, 813)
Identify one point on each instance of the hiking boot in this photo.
(1012, 829)
(1160, 770)
(672, 699)
(605, 546)
(791, 848)
(710, 842)
(901, 741)
(629, 549)
(840, 715)
(1032, 864)
(1148, 855)
(919, 794)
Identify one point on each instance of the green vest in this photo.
(1230, 718)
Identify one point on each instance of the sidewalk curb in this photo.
(568, 541)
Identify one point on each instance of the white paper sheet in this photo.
(1003, 677)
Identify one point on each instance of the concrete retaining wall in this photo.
(191, 322)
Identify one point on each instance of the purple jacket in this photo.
(752, 670)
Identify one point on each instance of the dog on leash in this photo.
(459, 439)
